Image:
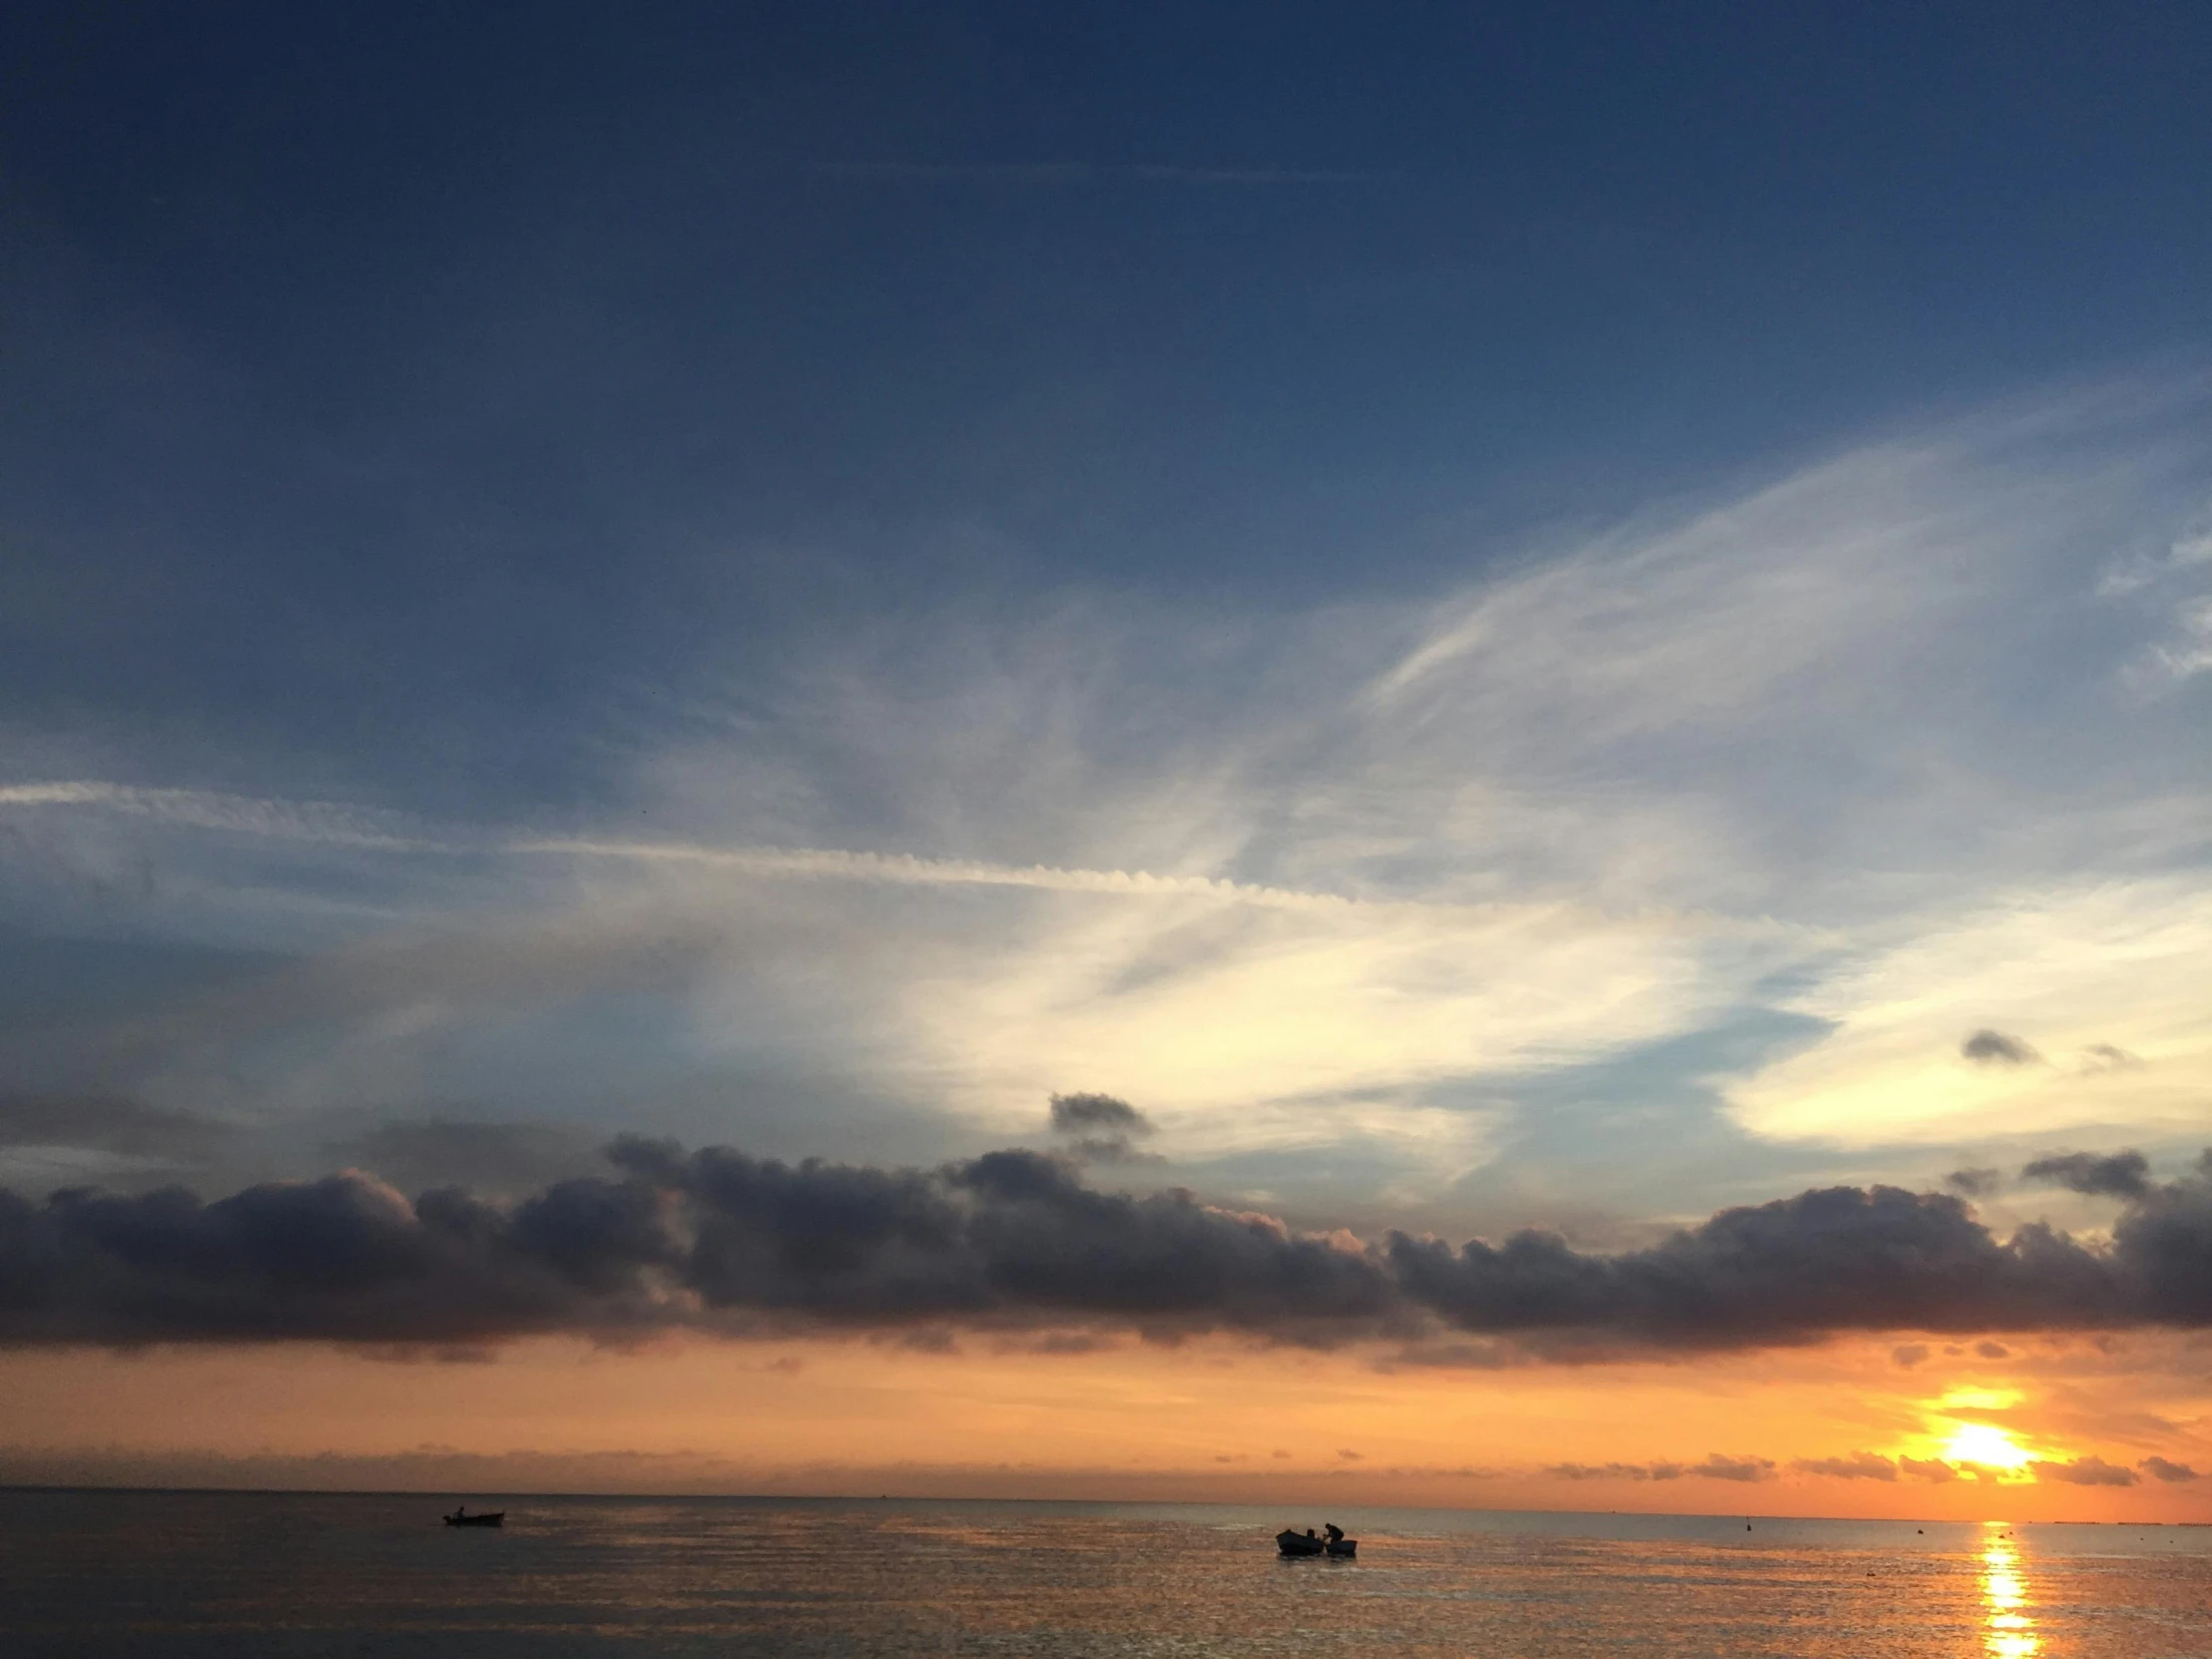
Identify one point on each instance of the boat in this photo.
(1336, 1546)
(487, 1517)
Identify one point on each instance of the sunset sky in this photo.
(1166, 751)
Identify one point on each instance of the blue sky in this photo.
(1504, 615)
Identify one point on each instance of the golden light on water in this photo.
(1990, 1447)
(2011, 1626)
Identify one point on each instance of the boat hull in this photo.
(494, 1519)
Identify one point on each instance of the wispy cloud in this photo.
(1847, 749)
(2073, 966)
(325, 823)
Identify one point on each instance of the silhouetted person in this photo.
(1336, 1532)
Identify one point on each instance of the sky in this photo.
(845, 748)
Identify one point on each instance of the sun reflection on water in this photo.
(2011, 1631)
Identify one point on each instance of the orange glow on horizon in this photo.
(1834, 1430)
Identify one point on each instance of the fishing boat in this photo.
(1295, 1544)
(461, 1518)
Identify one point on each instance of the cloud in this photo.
(1104, 1129)
(1842, 1258)
(710, 1240)
(322, 823)
(1387, 854)
(2159, 1468)
(2175, 584)
(1974, 1183)
(1718, 1468)
(1079, 1114)
(1992, 1351)
(1614, 1471)
(106, 1124)
(2105, 960)
(434, 1152)
(1714, 1466)
(1860, 1466)
(2086, 1472)
(1232, 1002)
(1907, 1355)
(718, 1241)
(1996, 1047)
(2106, 1057)
(2118, 1175)
(1932, 1469)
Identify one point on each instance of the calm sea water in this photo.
(261, 1573)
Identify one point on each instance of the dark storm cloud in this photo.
(1103, 1129)
(2120, 1174)
(1015, 1240)
(344, 1258)
(105, 1124)
(1997, 1048)
(1840, 1258)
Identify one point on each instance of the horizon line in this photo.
(441, 1492)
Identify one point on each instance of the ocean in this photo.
(249, 1573)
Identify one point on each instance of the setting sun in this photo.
(1979, 1442)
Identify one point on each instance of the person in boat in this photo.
(1336, 1532)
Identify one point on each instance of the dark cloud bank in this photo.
(715, 1240)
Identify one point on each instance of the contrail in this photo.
(334, 825)
(908, 870)
(312, 820)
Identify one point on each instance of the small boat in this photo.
(461, 1518)
(1336, 1546)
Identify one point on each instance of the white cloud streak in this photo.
(1284, 880)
